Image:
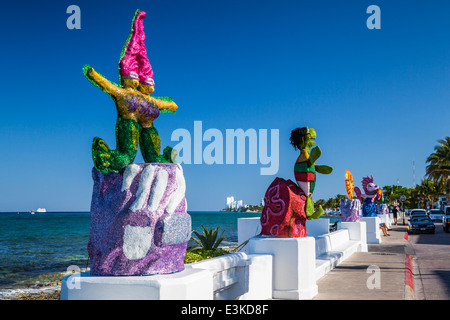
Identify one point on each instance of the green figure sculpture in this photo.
(305, 168)
(136, 109)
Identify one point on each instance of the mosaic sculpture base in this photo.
(369, 208)
(350, 210)
(382, 208)
(284, 214)
(139, 221)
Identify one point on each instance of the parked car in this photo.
(421, 223)
(446, 219)
(418, 212)
(435, 214)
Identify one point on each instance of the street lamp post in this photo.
(402, 199)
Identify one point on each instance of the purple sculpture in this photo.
(139, 220)
(350, 210)
(382, 208)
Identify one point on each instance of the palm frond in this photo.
(209, 240)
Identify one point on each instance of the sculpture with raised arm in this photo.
(288, 205)
(139, 220)
(136, 109)
(305, 168)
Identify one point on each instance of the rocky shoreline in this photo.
(38, 290)
(47, 291)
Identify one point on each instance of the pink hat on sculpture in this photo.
(134, 63)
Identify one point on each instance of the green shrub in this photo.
(199, 255)
(209, 240)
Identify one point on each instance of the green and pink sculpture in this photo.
(136, 109)
(139, 219)
(287, 205)
(305, 167)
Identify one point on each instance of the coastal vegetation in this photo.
(428, 191)
(205, 246)
(209, 240)
(200, 254)
(249, 208)
(438, 168)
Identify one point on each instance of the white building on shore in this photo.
(233, 204)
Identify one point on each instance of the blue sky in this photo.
(378, 99)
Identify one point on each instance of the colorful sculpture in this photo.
(371, 191)
(139, 219)
(139, 222)
(136, 109)
(350, 208)
(284, 214)
(287, 205)
(382, 207)
(349, 184)
(305, 168)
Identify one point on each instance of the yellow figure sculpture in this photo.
(136, 109)
(349, 184)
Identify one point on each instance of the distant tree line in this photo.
(435, 184)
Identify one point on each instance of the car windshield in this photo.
(418, 213)
(420, 218)
(435, 211)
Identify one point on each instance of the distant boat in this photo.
(41, 210)
(32, 211)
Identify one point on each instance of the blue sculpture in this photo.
(369, 208)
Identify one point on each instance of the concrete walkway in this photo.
(379, 274)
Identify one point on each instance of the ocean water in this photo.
(36, 248)
(33, 247)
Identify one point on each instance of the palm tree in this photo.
(209, 240)
(420, 193)
(438, 168)
(430, 191)
(415, 197)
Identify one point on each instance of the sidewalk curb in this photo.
(409, 278)
(412, 273)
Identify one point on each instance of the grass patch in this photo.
(199, 254)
